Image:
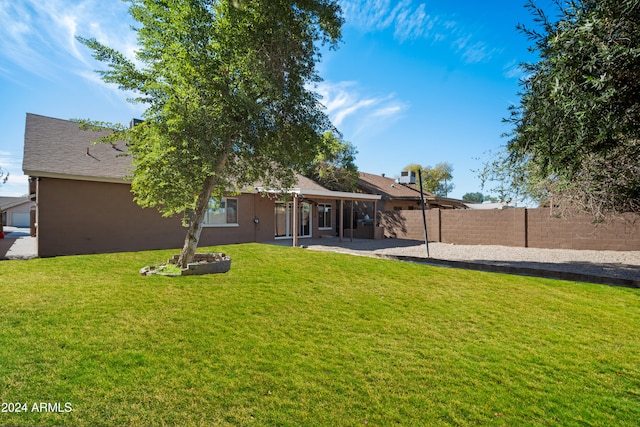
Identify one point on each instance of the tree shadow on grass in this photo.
(626, 275)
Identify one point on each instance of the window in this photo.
(223, 212)
(324, 216)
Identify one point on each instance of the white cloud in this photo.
(513, 70)
(388, 111)
(411, 20)
(17, 184)
(413, 24)
(348, 107)
(474, 52)
(40, 36)
(7, 161)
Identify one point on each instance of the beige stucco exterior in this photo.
(84, 203)
(84, 217)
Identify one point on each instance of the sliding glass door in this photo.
(284, 220)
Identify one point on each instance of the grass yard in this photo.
(294, 337)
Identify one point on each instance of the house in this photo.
(402, 193)
(84, 203)
(395, 195)
(16, 211)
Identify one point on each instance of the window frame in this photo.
(330, 227)
(224, 202)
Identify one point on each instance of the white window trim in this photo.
(229, 225)
(220, 225)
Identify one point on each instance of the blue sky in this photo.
(414, 81)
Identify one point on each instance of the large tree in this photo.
(228, 89)
(436, 179)
(335, 167)
(576, 132)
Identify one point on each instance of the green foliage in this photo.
(335, 167)
(227, 90)
(511, 178)
(222, 82)
(475, 197)
(435, 180)
(576, 132)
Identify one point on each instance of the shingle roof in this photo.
(59, 148)
(388, 188)
(307, 184)
(302, 182)
(10, 202)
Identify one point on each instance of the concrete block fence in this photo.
(518, 227)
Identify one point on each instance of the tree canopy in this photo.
(478, 197)
(437, 180)
(576, 131)
(335, 167)
(228, 89)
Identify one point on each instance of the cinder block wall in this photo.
(579, 232)
(514, 227)
(504, 227)
(408, 225)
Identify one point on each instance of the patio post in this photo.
(375, 215)
(351, 221)
(295, 219)
(341, 226)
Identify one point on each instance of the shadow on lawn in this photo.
(579, 271)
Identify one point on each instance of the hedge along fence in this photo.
(520, 227)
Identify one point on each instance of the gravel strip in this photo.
(617, 264)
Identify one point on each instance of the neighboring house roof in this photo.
(391, 189)
(58, 148)
(12, 202)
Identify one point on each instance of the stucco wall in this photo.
(81, 217)
(514, 227)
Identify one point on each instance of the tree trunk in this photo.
(202, 204)
(195, 224)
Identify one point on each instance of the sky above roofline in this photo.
(412, 81)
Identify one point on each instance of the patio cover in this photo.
(311, 193)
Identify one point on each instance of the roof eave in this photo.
(338, 195)
(42, 174)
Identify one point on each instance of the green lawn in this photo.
(296, 337)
